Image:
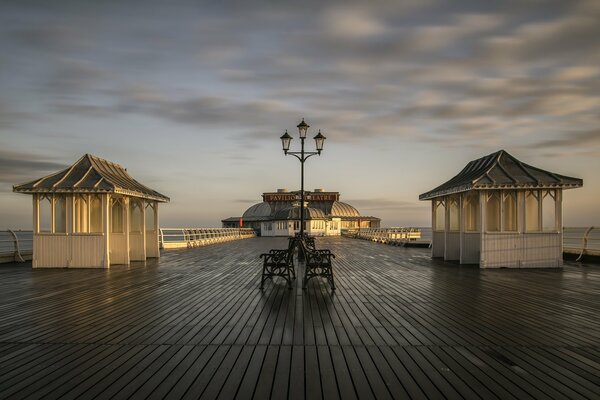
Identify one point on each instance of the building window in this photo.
(532, 211)
(492, 212)
(440, 215)
(87, 213)
(509, 211)
(135, 209)
(80, 213)
(117, 220)
(471, 210)
(60, 214)
(453, 213)
(52, 214)
(549, 211)
(45, 213)
(150, 221)
(95, 213)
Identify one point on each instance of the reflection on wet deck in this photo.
(195, 325)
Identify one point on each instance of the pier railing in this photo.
(16, 246)
(581, 241)
(176, 238)
(394, 236)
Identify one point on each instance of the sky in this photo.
(192, 97)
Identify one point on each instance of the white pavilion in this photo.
(92, 215)
(499, 212)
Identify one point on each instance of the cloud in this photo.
(383, 204)
(77, 76)
(49, 38)
(571, 139)
(11, 116)
(343, 22)
(18, 167)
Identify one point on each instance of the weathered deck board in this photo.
(195, 324)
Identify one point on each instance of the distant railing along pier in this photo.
(394, 236)
(176, 238)
(16, 246)
(582, 241)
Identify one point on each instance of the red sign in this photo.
(321, 197)
(280, 197)
(290, 197)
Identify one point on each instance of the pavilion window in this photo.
(95, 213)
(509, 211)
(453, 213)
(471, 210)
(150, 222)
(135, 210)
(60, 214)
(81, 211)
(532, 211)
(549, 211)
(45, 212)
(492, 212)
(440, 215)
(117, 215)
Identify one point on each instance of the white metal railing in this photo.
(16, 246)
(394, 236)
(581, 241)
(176, 238)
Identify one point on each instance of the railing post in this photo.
(584, 242)
(16, 243)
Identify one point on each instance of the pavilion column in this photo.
(446, 225)
(559, 222)
(36, 227)
(482, 244)
(461, 226)
(156, 230)
(127, 229)
(433, 224)
(106, 229)
(143, 208)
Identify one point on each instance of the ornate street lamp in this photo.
(302, 156)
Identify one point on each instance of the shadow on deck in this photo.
(195, 324)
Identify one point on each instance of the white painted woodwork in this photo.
(87, 250)
(452, 247)
(470, 248)
(119, 251)
(51, 250)
(438, 244)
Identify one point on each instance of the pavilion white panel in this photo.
(452, 247)
(470, 249)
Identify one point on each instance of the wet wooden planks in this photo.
(195, 325)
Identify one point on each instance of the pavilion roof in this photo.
(91, 174)
(500, 170)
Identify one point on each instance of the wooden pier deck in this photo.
(400, 325)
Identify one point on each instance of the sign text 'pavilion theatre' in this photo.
(499, 212)
(92, 215)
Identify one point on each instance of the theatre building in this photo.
(279, 215)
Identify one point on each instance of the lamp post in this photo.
(302, 156)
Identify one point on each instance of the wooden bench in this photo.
(317, 263)
(278, 263)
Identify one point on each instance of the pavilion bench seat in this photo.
(317, 263)
(278, 263)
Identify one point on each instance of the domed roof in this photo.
(294, 213)
(339, 209)
(257, 211)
